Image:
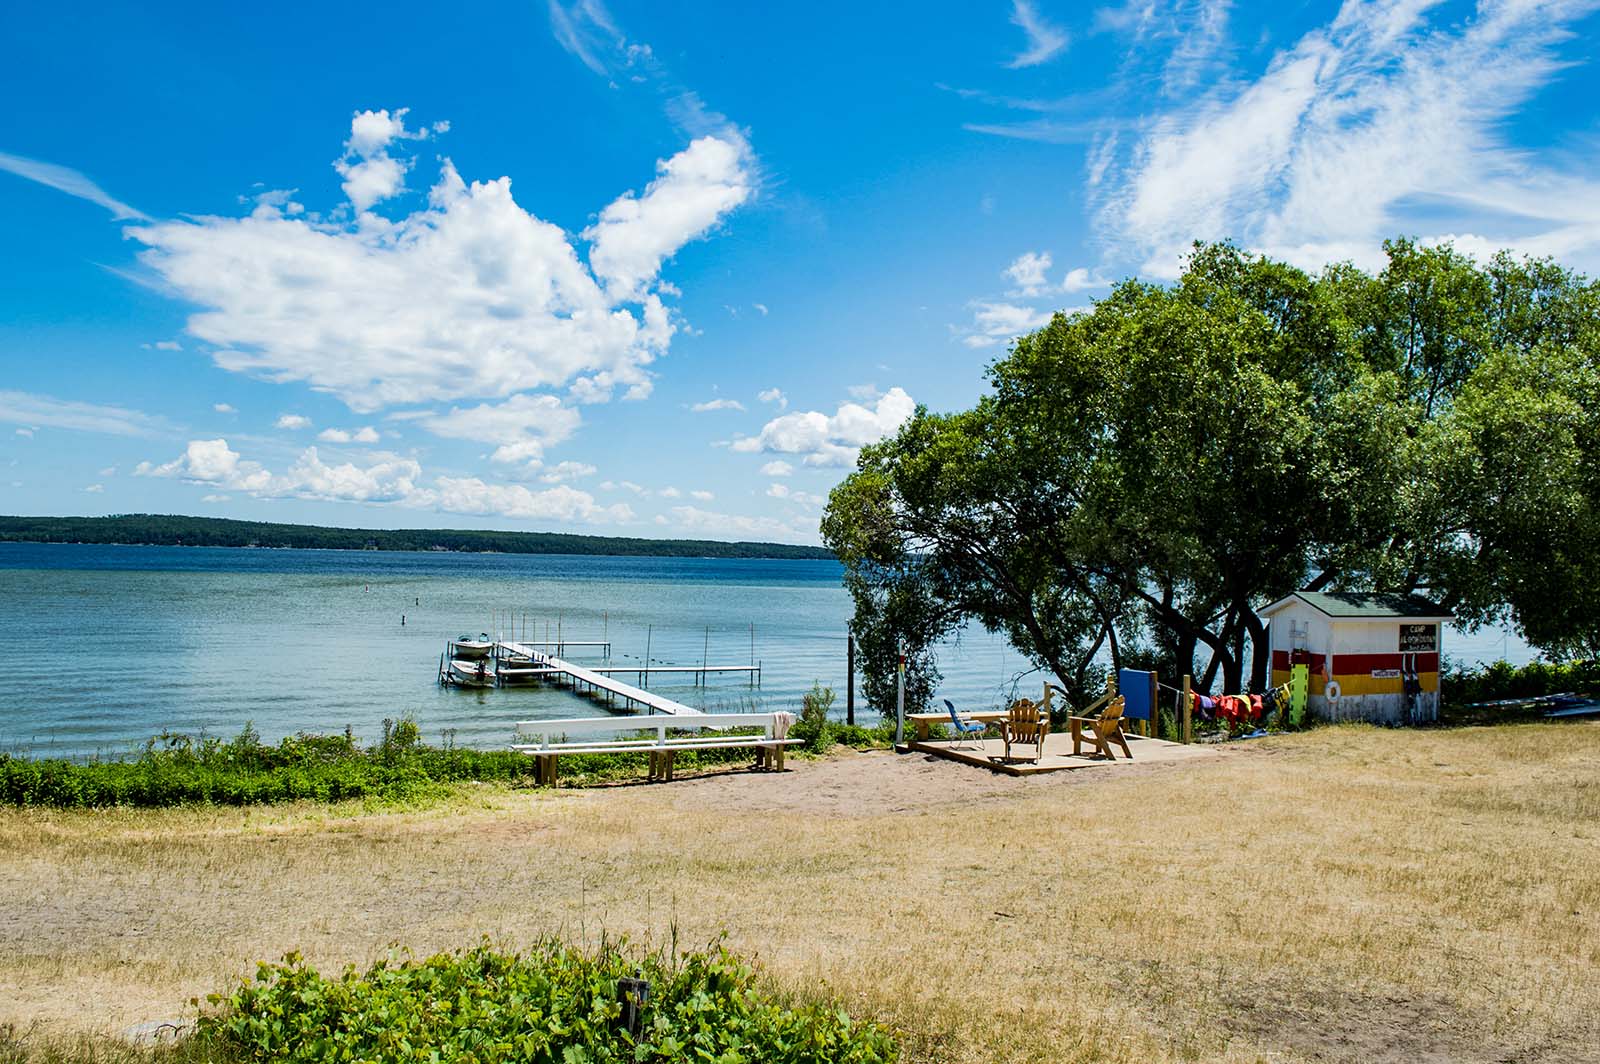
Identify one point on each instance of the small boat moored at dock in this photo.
(466, 648)
(467, 673)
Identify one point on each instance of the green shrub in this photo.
(174, 769)
(1494, 683)
(554, 1004)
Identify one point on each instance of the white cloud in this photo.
(566, 471)
(36, 411)
(774, 395)
(697, 522)
(780, 490)
(1080, 280)
(825, 440)
(1045, 41)
(215, 498)
(692, 192)
(469, 296)
(26, 434)
(670, 492)
(365, 434)
(1028, 271)
(761, 307)
(388, 480)
(521, 427)
(370, 173)
(163, 345)
(95, 489)
(109, 471)
(71, 182)
(717, 404)
(292, 421)
(999, 323)
(777, 468)
(1378, 122)
(701, 495)
(223, 408)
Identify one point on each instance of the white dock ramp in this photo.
(547, 665)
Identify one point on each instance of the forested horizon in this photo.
(180, 530)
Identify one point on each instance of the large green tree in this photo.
(1144, 476)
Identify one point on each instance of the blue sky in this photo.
(644, 269)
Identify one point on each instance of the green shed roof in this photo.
(1365, 605)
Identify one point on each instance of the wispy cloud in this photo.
(43, 411)
(1380, 121)
(1045, 41)
(72, 183)
(716, 404)
(387, 480)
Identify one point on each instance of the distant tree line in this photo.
(1144, 476)
(176, 530)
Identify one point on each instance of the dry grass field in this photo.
(1346, 894)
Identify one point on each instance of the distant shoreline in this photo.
(177, 530)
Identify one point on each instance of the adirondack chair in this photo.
(1025, 724)
(1103, 730)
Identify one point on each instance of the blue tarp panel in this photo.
(1138, 691)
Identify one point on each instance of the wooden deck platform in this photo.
(1058, 756)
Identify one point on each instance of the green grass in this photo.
(173, 769)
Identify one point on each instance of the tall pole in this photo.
(850, 678)
(900, 696)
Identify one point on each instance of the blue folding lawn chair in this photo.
(964, 729)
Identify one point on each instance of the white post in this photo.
(900, 697)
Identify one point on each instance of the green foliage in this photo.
(820, 733)
(812, 727)
(1500, 681)
(171, 530)
(174, 769)
(1144, 476)
(553, 1004)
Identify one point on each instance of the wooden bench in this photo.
(662, 748)
(924, 721)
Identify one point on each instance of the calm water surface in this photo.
(104, 646)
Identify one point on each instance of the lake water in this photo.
(104, 646)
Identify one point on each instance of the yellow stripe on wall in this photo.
(1361, 683)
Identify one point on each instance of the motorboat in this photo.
(466, 648)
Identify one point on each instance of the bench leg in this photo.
(781, 751)
(671, 756)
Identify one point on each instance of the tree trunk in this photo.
(1260, 650)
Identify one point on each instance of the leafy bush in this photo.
(1499, 681)
(819, 734)
(175, 769)
(553, 1004)
(812, 726)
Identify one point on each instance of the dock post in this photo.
(649, 632)
(850, 679)
(705, 651)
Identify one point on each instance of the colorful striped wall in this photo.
(1354, 672)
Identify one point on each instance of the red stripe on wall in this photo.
(1345, 664)
(1281, 662)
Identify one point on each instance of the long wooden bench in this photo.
(662, 748)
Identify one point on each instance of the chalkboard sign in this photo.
(1419, 638)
